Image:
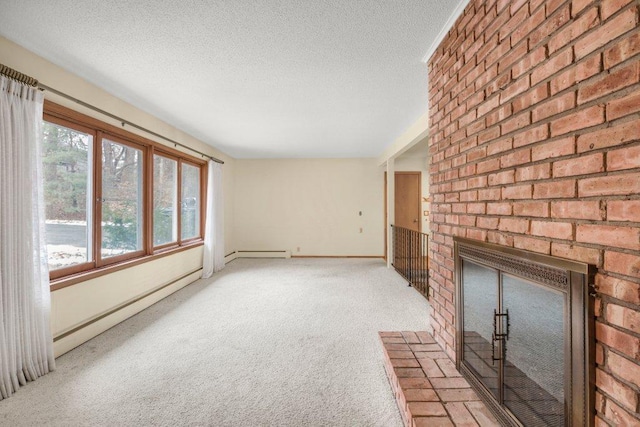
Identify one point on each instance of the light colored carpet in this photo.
(263, 343)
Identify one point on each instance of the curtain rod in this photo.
(30, 81)
(17, 76)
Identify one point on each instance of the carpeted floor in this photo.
(263, 343)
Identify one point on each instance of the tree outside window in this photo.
(122, 205)
(67, 155)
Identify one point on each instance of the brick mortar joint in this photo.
(606, 299)
(539, 181)
(618, 403)
(574, 63)
(547, 121)
(573, 88)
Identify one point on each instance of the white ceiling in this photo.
(253, 78)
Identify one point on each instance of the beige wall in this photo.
(311, 204)
(91, 302)
(84, 310)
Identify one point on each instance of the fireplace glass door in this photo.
(516, 336)
(533, 352)
(481, 299)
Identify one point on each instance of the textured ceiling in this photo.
(255, 79)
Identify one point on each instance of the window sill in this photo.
(66, 281)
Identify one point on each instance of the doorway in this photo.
(409, 245)
(408, 200)
(407, 204)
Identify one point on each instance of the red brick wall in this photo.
(535, 144)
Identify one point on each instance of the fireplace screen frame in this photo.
(574, 280)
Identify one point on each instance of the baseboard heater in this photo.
(122, 306)
(263, 254)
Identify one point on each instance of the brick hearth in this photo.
(427, 387)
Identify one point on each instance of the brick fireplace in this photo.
(535, 145)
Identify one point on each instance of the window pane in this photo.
(165, 200)
(190, 201)
(67, 191)
(122, 222)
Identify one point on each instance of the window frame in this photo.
(99, 130)
(202, 200)
(78, 268)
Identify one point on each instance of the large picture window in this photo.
(112, 196)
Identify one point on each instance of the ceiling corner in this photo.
(445, 29)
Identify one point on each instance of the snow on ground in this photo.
(66, 255)
(66, 222)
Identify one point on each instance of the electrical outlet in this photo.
(360, 229)
(298, 249)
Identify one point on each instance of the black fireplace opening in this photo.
(525, 333)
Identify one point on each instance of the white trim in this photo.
(445, 29)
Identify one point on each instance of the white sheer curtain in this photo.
(26, 348)
(214, 223)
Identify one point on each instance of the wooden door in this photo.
(408, 201)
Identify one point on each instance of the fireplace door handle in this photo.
(495, 336)
(505, 327)
(508, 324)
(493, 348)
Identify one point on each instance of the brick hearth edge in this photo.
(428, 389)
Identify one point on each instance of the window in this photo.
(170, 218)
(122, 199)
(67, 169)
(112, 196)
(165, 200)
(190, 201)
